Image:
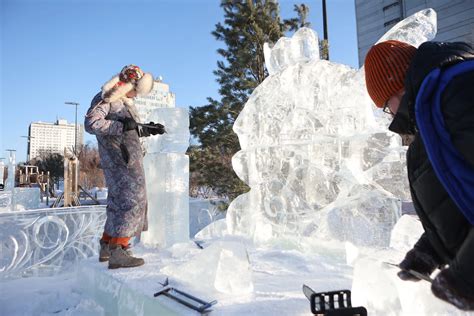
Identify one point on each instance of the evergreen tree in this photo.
(52, 163)
(247, 26)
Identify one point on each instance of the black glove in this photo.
(128, 123)
(156, 129)
(422, 259)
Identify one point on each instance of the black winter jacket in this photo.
(445, 226)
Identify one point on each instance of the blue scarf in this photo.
(452, 169)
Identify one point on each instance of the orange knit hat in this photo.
(386, 65)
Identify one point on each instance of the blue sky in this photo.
(54, 51)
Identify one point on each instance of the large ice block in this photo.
(166, 167)
(316, 152)
(20, 199)
(167, 178)
(223, 266)
(10, 184)
(44, 241)
(377, 286)
(176, 122)
(5, 201)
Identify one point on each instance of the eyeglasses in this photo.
(386, 108)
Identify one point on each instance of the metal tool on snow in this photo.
(184, 298)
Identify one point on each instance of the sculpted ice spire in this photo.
(302, 46)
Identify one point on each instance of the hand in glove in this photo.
(128, 123)
(156, 129)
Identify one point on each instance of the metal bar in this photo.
(181, 301)
(147, 125)
(169, 292)
(87, 193)
(412, 272)
(190, 296)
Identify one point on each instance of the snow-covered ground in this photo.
(245, 279)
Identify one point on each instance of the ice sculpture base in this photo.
(377, 286)
(47, 241)
(127, 291)
(167, 177)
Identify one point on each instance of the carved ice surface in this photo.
(424, 22)
(44, 241)
(317, 154)
(303, 46)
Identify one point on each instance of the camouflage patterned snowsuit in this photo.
(127, 201)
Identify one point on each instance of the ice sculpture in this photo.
(316, 154)
(14, 198)
(43, 241)
(166, 168)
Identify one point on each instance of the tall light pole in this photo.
(325, 27)
(75, 127)
(28, 140)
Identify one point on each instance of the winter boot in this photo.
(121, 258)
(104, 252)
(420, 261)
(453, 289)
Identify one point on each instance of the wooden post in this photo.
(67, 187)
(71, 179)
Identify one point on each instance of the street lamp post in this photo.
(325, 27)
(28, 140)
(75, 126)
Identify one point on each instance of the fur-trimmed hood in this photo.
(114, 89)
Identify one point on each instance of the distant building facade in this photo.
(159, 97)
(375, 17)
(49, 138)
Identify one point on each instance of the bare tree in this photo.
(91, 175)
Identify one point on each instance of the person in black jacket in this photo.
(429, 92)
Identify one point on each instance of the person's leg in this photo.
(104, 252)
(120, 256)
(455, 284)
(120, 241)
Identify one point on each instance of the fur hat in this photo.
(131, 77)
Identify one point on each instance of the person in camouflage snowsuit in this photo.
(113, 118)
